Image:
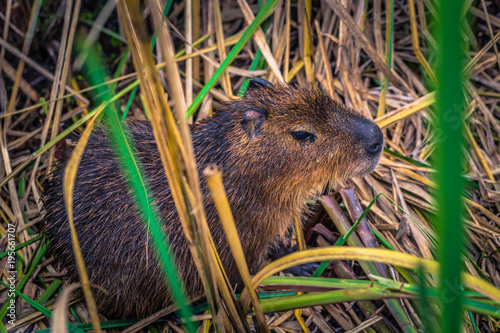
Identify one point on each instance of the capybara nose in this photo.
(374, 139)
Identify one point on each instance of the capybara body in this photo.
(276, 147)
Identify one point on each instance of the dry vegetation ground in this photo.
(345, 50)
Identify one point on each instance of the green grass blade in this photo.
(51, 290)
(253, 66)
(449, 161)
(341, 241)
(388, 54)
(104, 325)
(43, 309)
(406, 158)
(473, 301)
(20, 246)
(142, 197)
(38, 257)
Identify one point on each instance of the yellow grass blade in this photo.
(66, 55)
(340, 10)
(196, 35)
(415, 42)
(188, 31)
(214, 180)
(59, 315)
(209, 49)
(324, 57)
(35, 10)
(260, 40)
(478, 152)
(366, 254)
(219, 33)
(68, 186)
(307, 47)
(406, 110)
(286, 65)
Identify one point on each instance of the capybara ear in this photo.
(253, 121)
(258, 83)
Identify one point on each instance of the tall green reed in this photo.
(139, 186)
(449, 159)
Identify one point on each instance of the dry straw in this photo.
(204, 53)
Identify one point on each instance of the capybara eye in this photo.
(303, 136)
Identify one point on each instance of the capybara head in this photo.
(298, 133)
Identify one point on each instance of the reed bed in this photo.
(377, 237)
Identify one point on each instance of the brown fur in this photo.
(268, 175)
